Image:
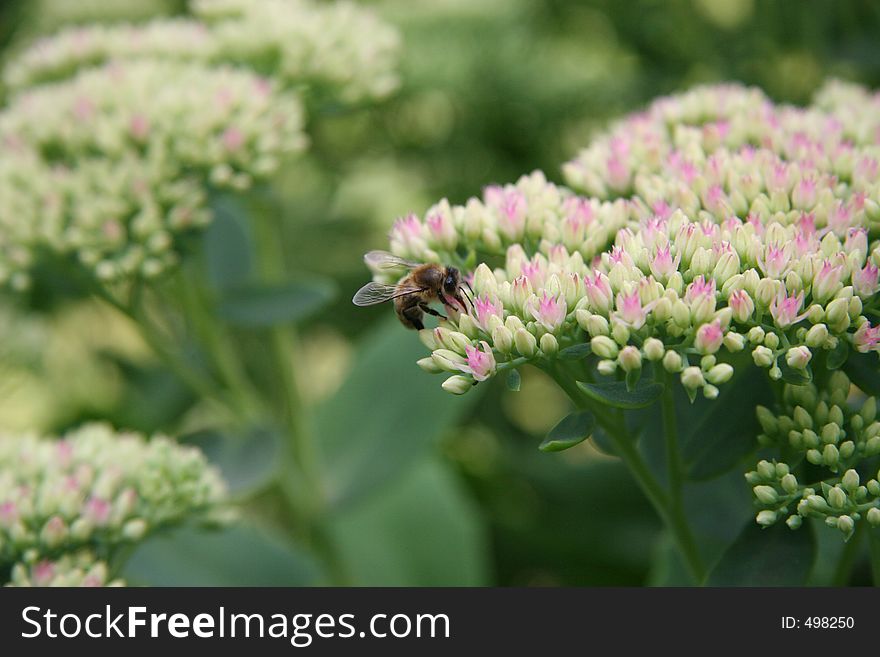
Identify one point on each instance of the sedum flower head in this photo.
(96, 490)
(717, 222)
(826, 439)
(111, 166)
(340, 46)
(79, 568)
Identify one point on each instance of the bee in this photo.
(425, 283)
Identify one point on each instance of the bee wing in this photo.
(384, 260)
(373, 293)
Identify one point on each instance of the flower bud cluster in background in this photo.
(66, 505)
(826, 443)
(114, 134)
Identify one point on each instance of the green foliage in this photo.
(371, 433)
(570, 431)
(620, 395)
(775, 556)
(238, 556)
(422, 530)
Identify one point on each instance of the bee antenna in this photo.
(467, 296)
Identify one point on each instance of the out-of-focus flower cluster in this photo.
(95, 490)
(824, 438)
(338, 45)
(113, 134)
(80, 568)
(110, 165)
(743, 225)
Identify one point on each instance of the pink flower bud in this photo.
(867, 338)
(480, 362)
(709, 338)
(510, 207)
(663, 264)
(865, 281)
(784, 309)
(629, 309)
(741, 304)
(598, 291)
(549, 311)
(700, 297)
(485, 308)
(441, 230)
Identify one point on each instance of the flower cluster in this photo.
(818, 427)
(95, 490)
(723, 151)
(338, 45)
(729, 224)
(677, 292)
(114, 133)
(112, 164)
(80, 568)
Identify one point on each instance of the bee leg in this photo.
(431, 311)
(414, 316)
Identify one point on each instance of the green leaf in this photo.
(240, 555)
(575, 351)
(775, 556)
(248, 461)
(796, 377)
(715, 434)
(259, 305)
(616, 394)
(385, 416)
(571, 430)
(423, 530)
(227, 245)
(602, 441)
(864, 371)
(514, 380)
(837, 356)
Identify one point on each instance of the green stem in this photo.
(874, 544)
(219, 347)
(191, 377)
(672, 516)
(305, 495)
(674, 466)
(848, 557)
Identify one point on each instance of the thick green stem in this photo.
(161, 347)
(672, 515)
(848, 557)
(305, 496)
(674, 468)
(219, 348)
(874, 544)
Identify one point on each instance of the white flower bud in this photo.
(720, 374)
(604, 347)
(654, 349)
(630, 359)
(525, 342)
(457, 384)
(692, 377)
(672, 361)
(549, 344)
(798, 357)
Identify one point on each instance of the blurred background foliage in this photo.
(425, 488)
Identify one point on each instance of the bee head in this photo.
(451, 281)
